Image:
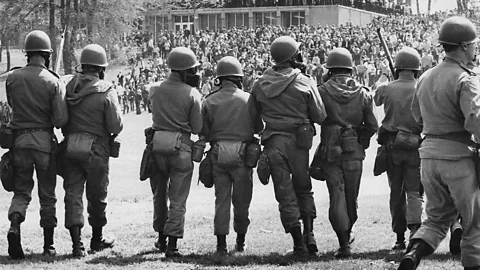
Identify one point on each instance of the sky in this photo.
(437, 5)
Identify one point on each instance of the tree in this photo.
(429, 6)
(418, 6)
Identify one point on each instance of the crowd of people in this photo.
(251, 47)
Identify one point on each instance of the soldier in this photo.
(446, 104)
(289, 103)
(95, 118)
(403, 167)
(37, 98)
(230, 120)
(346, 133)
(176, 114)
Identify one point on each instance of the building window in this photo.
(293, 18)
(237, 20)
(210, 21)
(265, 18)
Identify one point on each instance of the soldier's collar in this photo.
(36, 65)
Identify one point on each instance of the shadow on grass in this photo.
(35, 258)
(239, 259)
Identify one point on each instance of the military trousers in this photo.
(343, 183)
(25, 161)
(91, 177)
(171, 187)
(451, 188)
(232, 186)
(291, 181)
(406, 191)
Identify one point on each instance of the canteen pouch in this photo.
(114, 142)
(148, 165)
(205, 171)
(263, 169)
(7, 139)
(304, 135)
(79, 146)
(60, 158)
(406, 141)
(167, 142)
(349, 140)
(252, 153)
(149, 133)
(230, 154)
(315, 170)
(383, 136)
(7, 171)
(380, 165)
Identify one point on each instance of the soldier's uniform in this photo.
(230, 117)
(37, 98)
(345, 135)
(176, 107)
(403, 161)
(446, 103)
(94, 117)
(286, 99)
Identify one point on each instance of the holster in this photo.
(381, 161)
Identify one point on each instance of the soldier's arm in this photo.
(379, 96)
(113, 116)
(370, 123)
(415, 108)
(255, 115)
(59, 105)
(258, 124)
(470, 104)
(316, 109)
(205, 132)
(196, 121)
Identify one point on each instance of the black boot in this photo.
(240, 242)
(78, 250)
(344, 251)
(99, 242)
(14, 240)
(413, 229)
(172, 250)
(48, 249)
(416, 250)
(455, 238)
(299, 248)
(400, 244)
(308, 236)
(161, 243)
(221, 244)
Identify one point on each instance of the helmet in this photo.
(283, 48)
(457, 30)
(407, 58)
(38, 41)
(182, 58)
(229, 66)
(95, 55)
(339, 58)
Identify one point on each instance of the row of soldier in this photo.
(282, 108)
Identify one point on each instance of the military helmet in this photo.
(37, 41)
(229, 66)
(339, 58)
(182, 58)
(283, 48)
(95, 55)
(407, 58)
(457, 30)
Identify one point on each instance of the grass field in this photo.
(130, 221)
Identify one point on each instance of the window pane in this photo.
(184, 18)
(230, 20)
(211, 22)
(178, 19)
(190, 18)
(219, 22)
(203, 21)
(258, 19)
(246, 21)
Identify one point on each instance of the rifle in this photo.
(387, 52)
(60, 52)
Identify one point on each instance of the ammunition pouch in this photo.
(315, 170)
(263, 169)
(348, 142)
(7, 171)
(79, 146)
(406, 141)
(7, 139)
(230, 154)
(167, 143)
(304, 136)
(205, 171)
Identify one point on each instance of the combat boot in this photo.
(48, 248)
(344, 251)
(240, 242)
(413, 229)
(161, 242)
(415, 251)
(400, 244)
(456, 233)
(14, 239)
(99, 242)
(308, 236)
(222, 244)
(172, 250)
(78, 250)
(299, 248)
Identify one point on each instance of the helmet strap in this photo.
(235, 80)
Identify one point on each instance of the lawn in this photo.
(130, 221)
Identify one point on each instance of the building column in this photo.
(250, 19)
(224, 20)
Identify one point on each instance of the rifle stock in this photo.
(387, 52)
